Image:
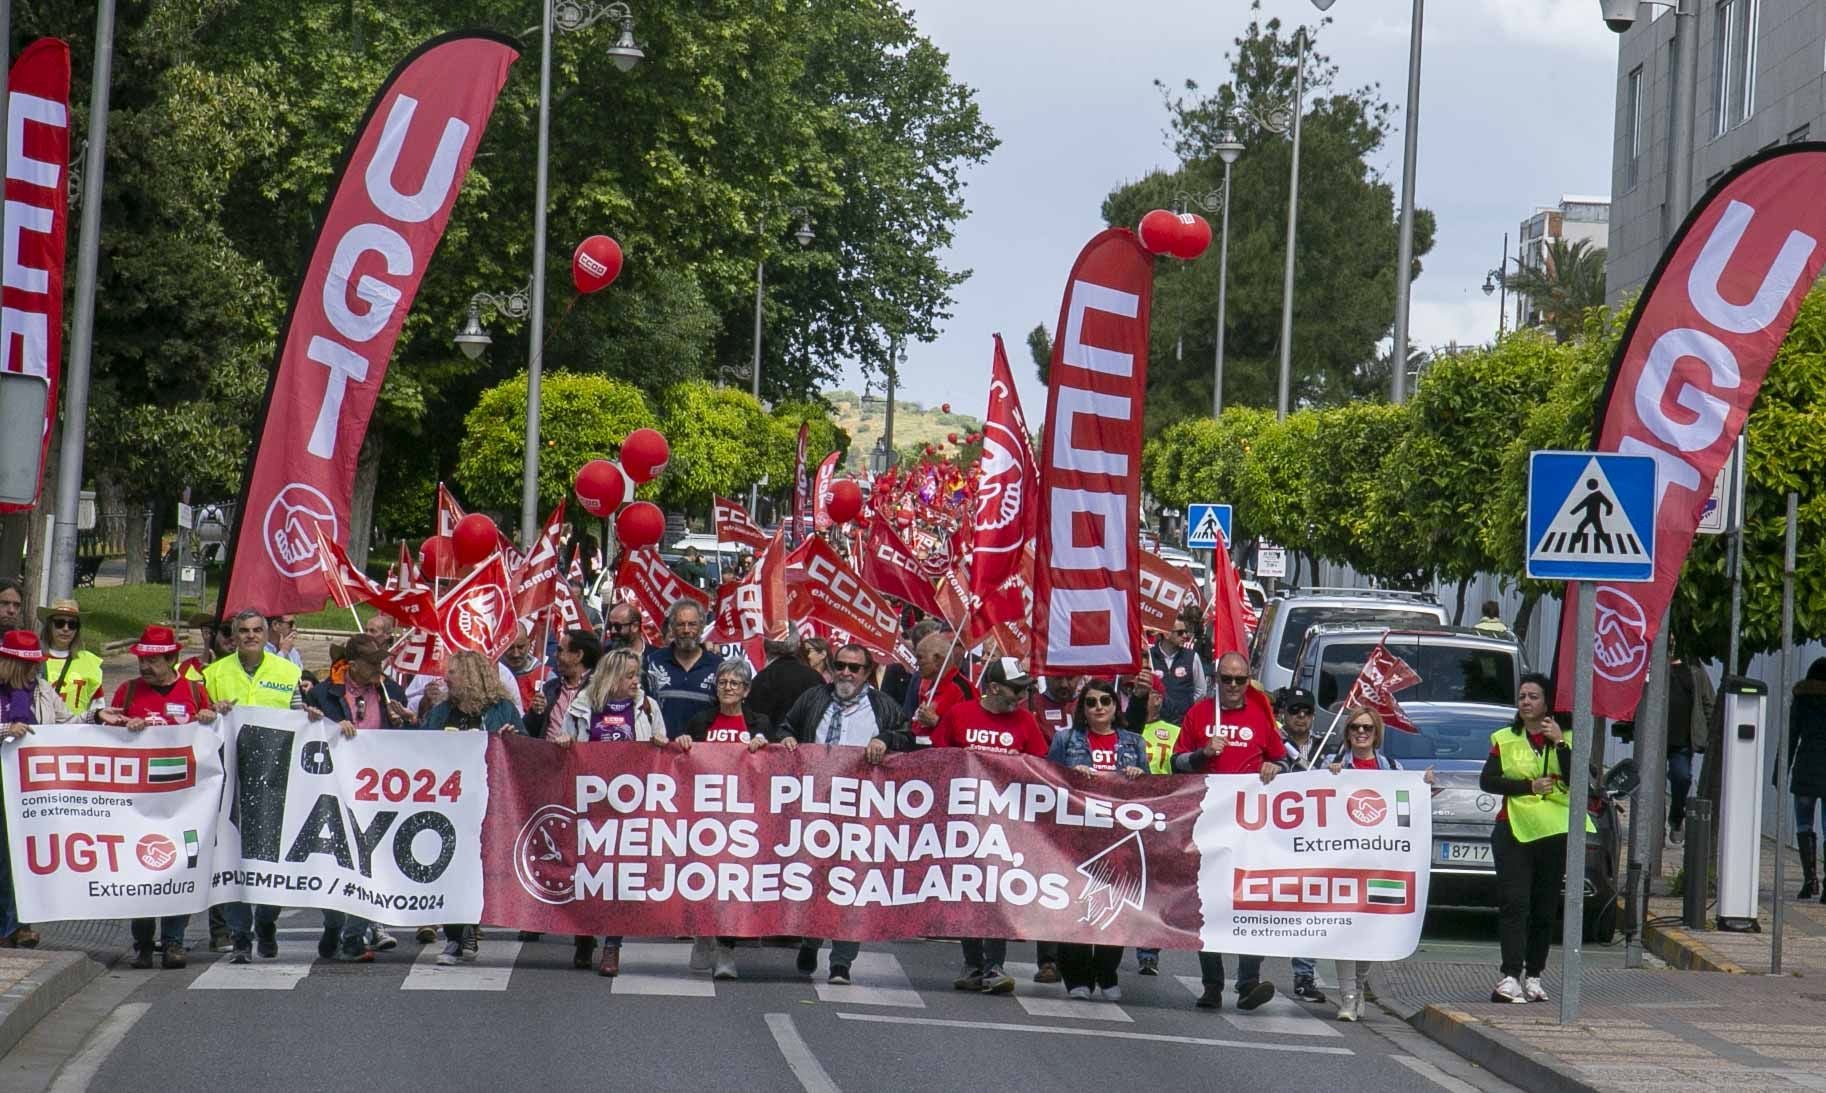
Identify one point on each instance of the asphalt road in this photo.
(521, 1018)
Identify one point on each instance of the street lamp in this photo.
(566, 15)
(1497, 277)
(474, 338)
(1228, 148)
(804, 235)
(1284, 117)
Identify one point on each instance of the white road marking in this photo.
(1435, 1075)
(877, 979)
(1280, 1016)
(490, 971)
(1114, 1034)
(262, 975)
(75, 1075)
(799, 1057)
(660, 968)
(1052, 1000)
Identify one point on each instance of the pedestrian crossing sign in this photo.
(1591, 517)
(1207, 526)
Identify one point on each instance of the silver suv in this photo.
(1454, 665)
(1286, 619)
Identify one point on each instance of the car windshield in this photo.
(1304, 618)
(1466, 738)
(1448, 673)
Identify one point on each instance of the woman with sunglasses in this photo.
(73, 671)
(1096, 747)
(1527, 767)
(1362, 750)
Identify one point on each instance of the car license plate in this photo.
(1469, 853)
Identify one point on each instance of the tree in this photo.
(721, 442)
(581, 418)
(1568, 282)
(1346, 245)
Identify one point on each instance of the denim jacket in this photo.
(1071, 748)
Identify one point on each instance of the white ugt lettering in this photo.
(421, 206)
(1778, 282)
(1708, 410)
(380, 296)
(344, 365)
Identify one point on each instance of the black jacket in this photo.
(1807, 751)
(332, 699)
(803, 719)
(758, 724)
(535, 723)
(779, 685)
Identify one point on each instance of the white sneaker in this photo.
(1112, 994)
(1082, 994)
(700, 954)
(1532, 989)
(380, 940)
(448, 958)
(725, 962)
(1348, 1003)
(1508, 990)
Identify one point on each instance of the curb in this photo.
(1497, 1052)
(1680, 949)
(29, 1000)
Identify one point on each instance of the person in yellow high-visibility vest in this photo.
(72, 670)
(253, 677)
(1527, 767)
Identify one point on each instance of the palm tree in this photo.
(1569, 280)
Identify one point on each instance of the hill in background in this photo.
(915, 426)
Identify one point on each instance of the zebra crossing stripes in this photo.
(1051, 1001)
(660, 968)
(1622, 543)
(282, 974)
(876, 979)
(491, 970)
(1281, 1016)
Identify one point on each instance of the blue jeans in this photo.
(1302, 968)
(1679, 781)
(1211, 971)
(244, 918)
(843, 953)
(1804, 808)
(351, 930)
(170, 931)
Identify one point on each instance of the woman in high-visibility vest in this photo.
(1527, 767)
(72, 670)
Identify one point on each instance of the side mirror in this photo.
(1622, 779)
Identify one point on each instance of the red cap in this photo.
(156, 641)
(21, 645)
(1158, 681)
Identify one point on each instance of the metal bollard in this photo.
(1697, 864)
(1633, 905)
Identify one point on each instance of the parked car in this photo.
(1454, 664)
(1454, 739)
(1286, 619)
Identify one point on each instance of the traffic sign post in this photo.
(1271, 561)
(1591, 518)
(1207, 526)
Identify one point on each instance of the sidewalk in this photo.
(33, 982)
(1722, 1023)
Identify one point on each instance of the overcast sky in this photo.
(1516, 107)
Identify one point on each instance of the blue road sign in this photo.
(1207, 526)
(1591, 517)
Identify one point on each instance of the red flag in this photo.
(449, 513)
(756, 607)
(37, 230)
(1087, 612)
(832, 593)
(652, 585)
(386, 213)
(821, 492)
(1009, 478)
(346, 584)
(734, 525)
(1697, 349)
(888, 565)
(419, 653)
(1224, 614)
(1166, 590)
(537, 576)
(799, 484)
(1383, 674)
(1009, 609)
(477, 612)
(570, 613)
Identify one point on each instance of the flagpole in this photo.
(1319, 752)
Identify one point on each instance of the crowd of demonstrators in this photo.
(74, 671)
(1527, 767)
(681, 674)
(1807, 768)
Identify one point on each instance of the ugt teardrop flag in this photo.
(1686, 372)
(1087, 598)
(387, 211)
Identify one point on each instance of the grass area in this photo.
(123, 611)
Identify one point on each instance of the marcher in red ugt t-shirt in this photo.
(1235, 734)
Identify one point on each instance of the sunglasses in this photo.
(1181, 633)
(1097, 702)
(1234, 681)
(66, 624)
(1359, 726)
(848, 666)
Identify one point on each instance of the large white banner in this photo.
(385, 824)
(1315, 863)
(106, 823)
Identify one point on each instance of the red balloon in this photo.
(1158, 231)
(601, 487)
(437, 556)
(846, 501)
(1193, 237)
(945, 408)
(595, 264)
(640, 525)
(474, 539)
(952, 437)
(644, 454)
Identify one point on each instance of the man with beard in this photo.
(621, 629)
(681, 675)
(846, 712)
(578, 652)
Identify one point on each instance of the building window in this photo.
(1798, 135)
(1633, 118)
(1733, 63)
